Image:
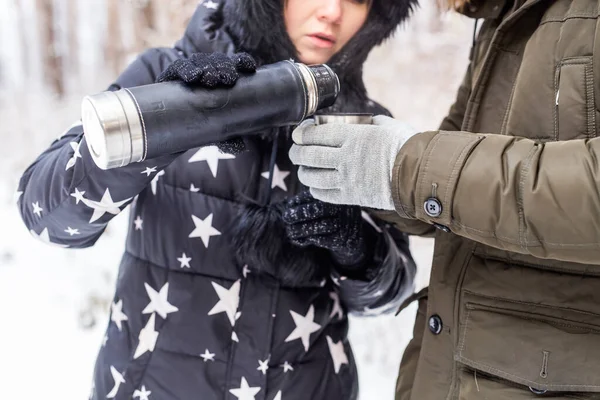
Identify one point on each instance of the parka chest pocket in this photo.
(575, 110)
(514, 350)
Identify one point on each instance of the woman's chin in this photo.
(310, 57)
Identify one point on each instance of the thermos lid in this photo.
(322, 86)
(328, 85)
(113, 129)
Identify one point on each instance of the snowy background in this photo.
(54, 302)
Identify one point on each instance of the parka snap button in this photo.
(537, 391)
(433, 207)
(435, 324)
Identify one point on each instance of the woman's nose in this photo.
(330, 11)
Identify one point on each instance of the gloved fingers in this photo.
(394, 124)
(301, 242)
(181, 70)
(315, 156)
(226, 67)
(315, 211)
(307, 133)
(333, 196)
(320, 228)
(168, 74)
(244, 62)
(382, 120)
(218, 70)
(317, 178)
(307, 122)
(301, 198)
(232, 146)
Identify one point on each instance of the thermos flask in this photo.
(139, 123)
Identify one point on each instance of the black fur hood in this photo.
(239, 25)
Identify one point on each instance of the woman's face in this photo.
(320, 28)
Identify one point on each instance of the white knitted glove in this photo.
(350, 163)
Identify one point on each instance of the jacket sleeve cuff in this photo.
(426, 172)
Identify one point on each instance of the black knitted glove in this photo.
(211, 70)
(337, 228)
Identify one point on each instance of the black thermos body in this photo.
(139, 123)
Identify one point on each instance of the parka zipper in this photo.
(556, 100)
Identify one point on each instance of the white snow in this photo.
(54, 302)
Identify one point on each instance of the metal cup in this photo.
(363, 119)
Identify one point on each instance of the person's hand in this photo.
(209, 69)
(334, 227)
(350, 163)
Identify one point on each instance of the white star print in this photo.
(78, 196)
(118, 378)
(278, 178)
(229, 300)
(37, 210)
(159, 302)
(17, 196)
(204, 229)
(148, 337)
(263, 366)
(208, 356)
(337, 306)
(211, 5)
(234, 337)
(76, 155)
(185, 261)
(148, 171)
(245, 392)
(245, 271)
(193, 188)
(212, 155)
(138, 223)
(117, 315)
(154, 181)
(143, 394)
(305, 325)
(45, 237)
(72, 231)
(277, 396)
(338, 355)
(105, 205)
(287, 367)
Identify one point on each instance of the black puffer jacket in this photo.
(192, 318)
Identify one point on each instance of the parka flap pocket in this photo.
(575, 99)
(549, 349)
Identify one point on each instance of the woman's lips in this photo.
(321, 40)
